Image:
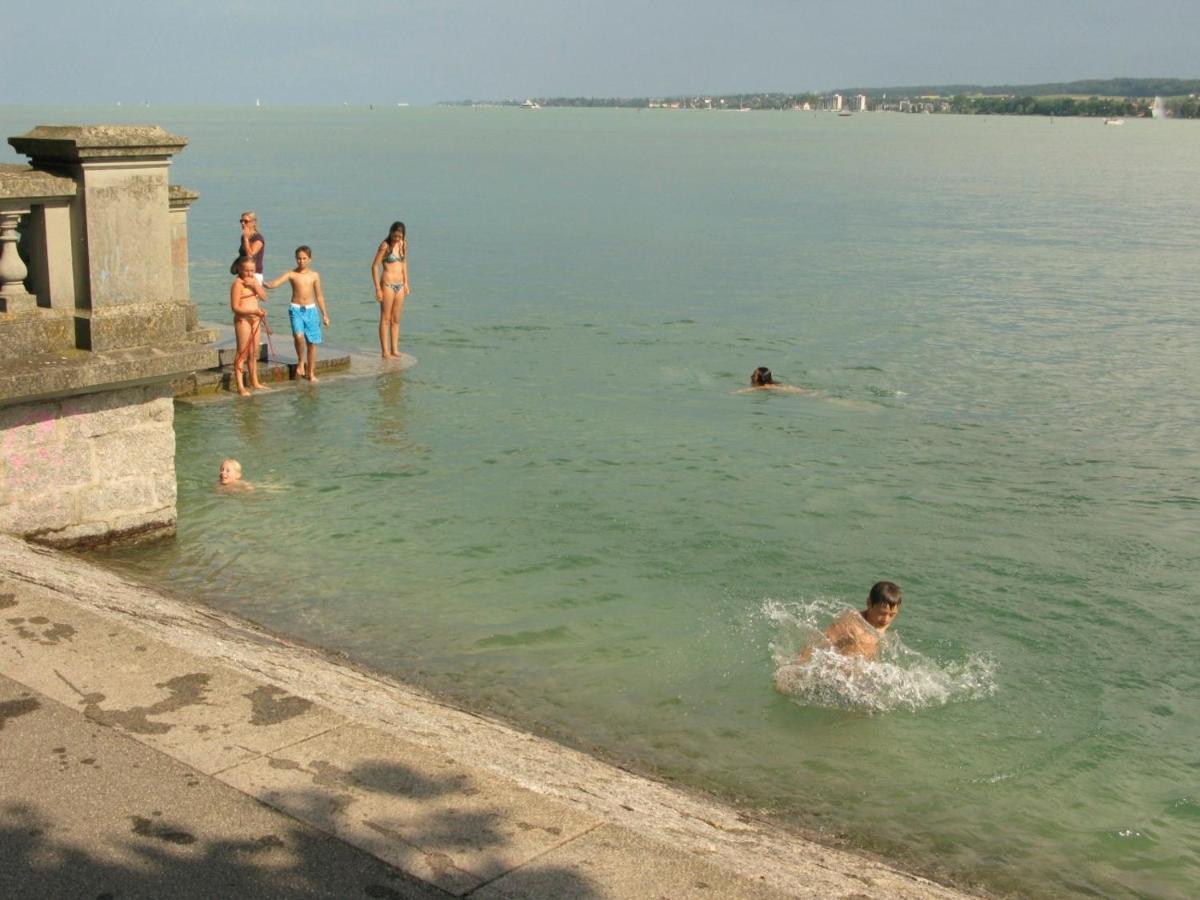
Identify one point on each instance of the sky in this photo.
(311, 52)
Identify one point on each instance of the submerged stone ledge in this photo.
(368, 759)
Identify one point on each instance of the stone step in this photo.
(47, 375)
(281, 367)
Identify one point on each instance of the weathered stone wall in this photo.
(91, 469)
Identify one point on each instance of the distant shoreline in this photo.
(1127, 97)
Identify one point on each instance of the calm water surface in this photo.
(565, 515)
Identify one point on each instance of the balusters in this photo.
(13, 271)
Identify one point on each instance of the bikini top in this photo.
(392, 257)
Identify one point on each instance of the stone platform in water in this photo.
(277, 365)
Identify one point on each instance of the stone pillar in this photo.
(52, 276)
(87, 441)
(181, 199)
(123, 221)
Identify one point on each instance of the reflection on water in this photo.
(387, 416)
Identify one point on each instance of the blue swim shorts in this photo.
(306, 320)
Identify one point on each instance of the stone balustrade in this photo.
(96, 321)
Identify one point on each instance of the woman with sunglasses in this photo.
(253, 244)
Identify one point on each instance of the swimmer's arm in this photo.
(276, 282)
(404, 264)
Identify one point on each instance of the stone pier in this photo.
(96, 321)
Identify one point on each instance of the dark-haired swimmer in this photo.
(761, 379)
(858, 633)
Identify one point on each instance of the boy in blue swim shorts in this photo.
(307, 299)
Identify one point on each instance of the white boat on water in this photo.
(1114, 121)
(531, 104)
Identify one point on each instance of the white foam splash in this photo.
(901, 678)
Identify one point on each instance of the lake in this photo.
(566, 515)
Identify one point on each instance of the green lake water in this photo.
(565, 515)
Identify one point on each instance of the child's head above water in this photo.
(230, 472)
(761, 376)
(883, 604)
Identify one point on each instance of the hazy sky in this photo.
(421, 51)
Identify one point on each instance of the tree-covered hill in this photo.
(1094, 87)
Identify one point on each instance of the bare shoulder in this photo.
(850, 634)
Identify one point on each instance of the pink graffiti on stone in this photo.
(31, 445)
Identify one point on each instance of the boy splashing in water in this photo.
(307, 298)
(859, 633)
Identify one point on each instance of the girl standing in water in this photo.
(389, 276)
(244, 296)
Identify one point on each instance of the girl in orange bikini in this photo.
(248, 317)
(389, 277)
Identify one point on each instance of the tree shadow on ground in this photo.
(450, 828)
(162, 858)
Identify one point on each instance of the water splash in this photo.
(901, 679)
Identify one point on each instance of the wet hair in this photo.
(884, 592)
(242, 260)
(304, 248)
(761, 376)
(233, 464)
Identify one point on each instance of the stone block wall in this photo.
(89, 470)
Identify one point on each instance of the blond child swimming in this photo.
(307, 298)
(229, 476)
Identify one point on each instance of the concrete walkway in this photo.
(151, 748)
